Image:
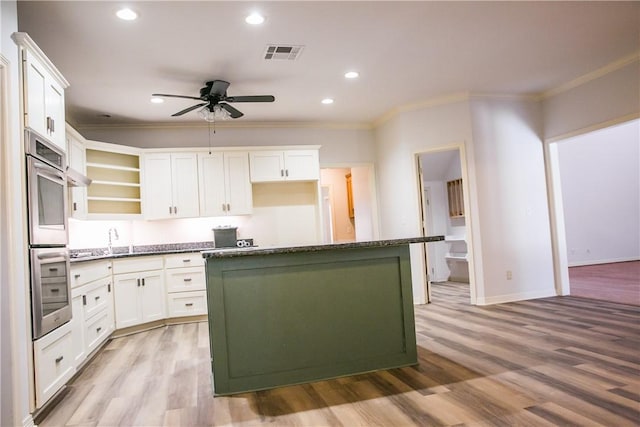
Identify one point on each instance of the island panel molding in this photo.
(282, 318)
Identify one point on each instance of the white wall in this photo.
(338, 145)
(283, 214)
(512, 200)
(600, 180)
(397, 142)
(598, 101)
(14, 322)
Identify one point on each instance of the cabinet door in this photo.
(53, 360)
(76, 159)
(212, 184)
(157, 197)
(54, 110)
(152, 296)
(36, 90)
(238, 184)
(126, 295)
(267, 166)
(302, 165)
(184, 176)
(77, 329)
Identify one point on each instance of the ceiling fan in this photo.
(215, 94)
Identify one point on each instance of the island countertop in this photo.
(253, 251)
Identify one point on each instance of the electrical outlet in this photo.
(509, 275)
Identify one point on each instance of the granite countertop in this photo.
(233, 252)
(93, 254)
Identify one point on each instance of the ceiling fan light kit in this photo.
(215, 101)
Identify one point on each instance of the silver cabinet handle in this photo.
(97, 298)
(188, 304)
(169, 210)
(188, 279)
(138, 280)
(98, 329)
(186, 260)
(143, 281)
(109, 287)
(84, 300)
(59, 359)
(175, 209)
(224, 208)
(228, 207)
(287, 172)
(281, 172)
(76, 276)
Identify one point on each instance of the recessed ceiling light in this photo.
(127, 14)
(327, 101)
(254, 19)
(351, 75)
(156, 100)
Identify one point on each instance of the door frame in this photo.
(469, 217)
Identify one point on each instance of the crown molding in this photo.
(26, 42)
(432, 102)
(229, 125)
(595, 127)
(586, 78)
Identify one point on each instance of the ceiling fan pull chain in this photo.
(209, 138)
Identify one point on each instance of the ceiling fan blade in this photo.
(174, 96)
(186, 110)
(254, 98)
(218, 87)
(232, 111)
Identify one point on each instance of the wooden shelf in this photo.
(115, 186)
(112, 167)
(455, 198)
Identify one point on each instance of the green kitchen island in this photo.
(282, 316)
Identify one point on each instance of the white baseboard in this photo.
(602, 261)
(500, 299)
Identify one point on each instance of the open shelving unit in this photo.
(457, 248)
(115, 186)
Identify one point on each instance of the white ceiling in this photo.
(406, 52)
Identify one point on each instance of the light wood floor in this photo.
(617, 282)
(554, 361)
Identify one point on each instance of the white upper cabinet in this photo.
(76, 157)
(225, 187)
(170, 188)
(284, 165)
(43, 92)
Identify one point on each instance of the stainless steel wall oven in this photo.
(48, 234)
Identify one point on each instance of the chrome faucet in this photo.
(114, 232)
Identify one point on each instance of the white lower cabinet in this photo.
(92, 306)
(186, 285)
(54, 362)
(139, 293)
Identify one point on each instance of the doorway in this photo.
(600, 233)
(349, 203)
(443, 213)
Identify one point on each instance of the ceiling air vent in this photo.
(290, 52)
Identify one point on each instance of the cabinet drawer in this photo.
(185, 279)
(96, 297)
(97, 330)
(187, 303)
(53, 358)
(83, 273)
(191, 259)
(143, 263)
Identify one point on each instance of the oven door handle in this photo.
(50, 255)
(49, 171)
